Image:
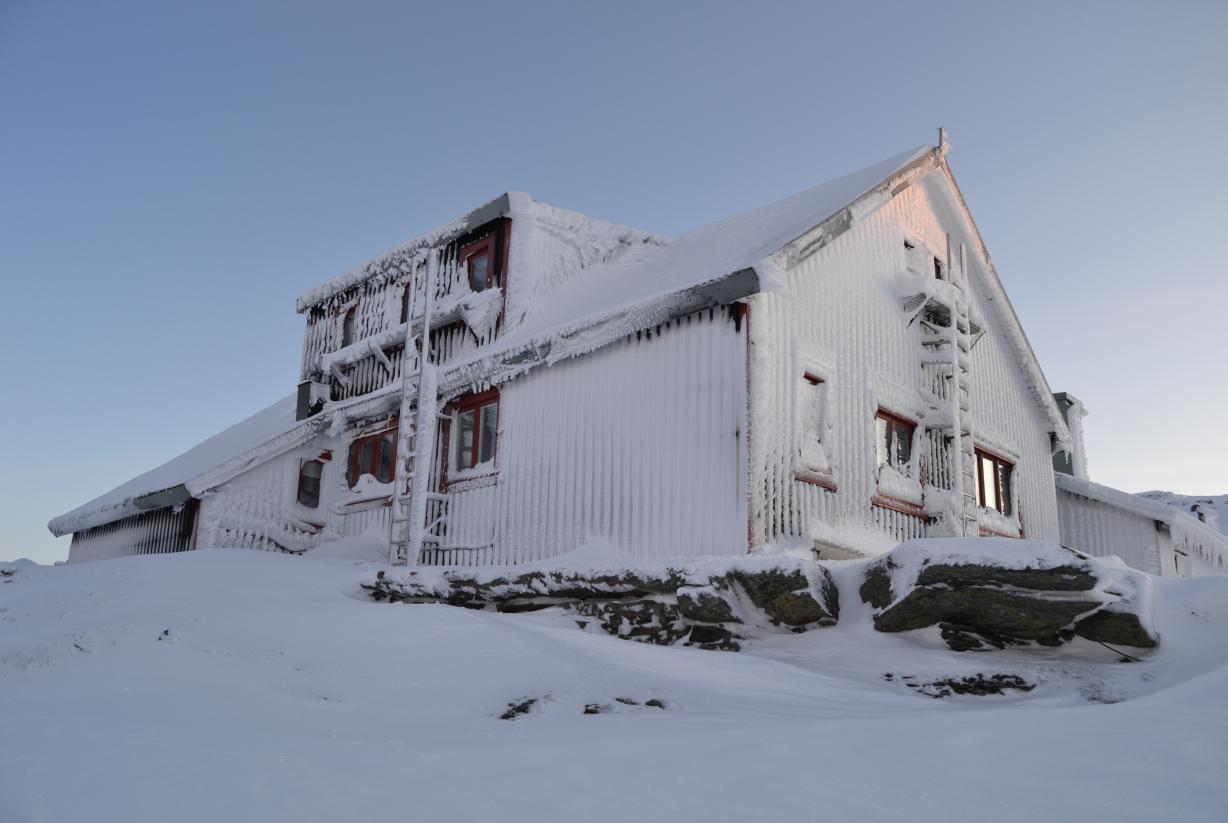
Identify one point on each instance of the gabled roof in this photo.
(160, 486)
(699, 257)
(663, 277)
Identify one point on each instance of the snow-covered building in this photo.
(1156, 532)
(840, 370)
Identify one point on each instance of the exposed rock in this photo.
(763, 586)
(977, 684)
(961, 639)
(985, 610)
(1117, 627)
(704, 605)
(644, 620)
(876, 588)
(1058, 579)
(713, 638)
(655, 703)
(786, 598)
(517, 708)
(797, 609)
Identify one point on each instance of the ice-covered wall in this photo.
(639, 444)
(159, 531)
(839, 310)
(1149, 535)
(259, 509)
(1100, 529)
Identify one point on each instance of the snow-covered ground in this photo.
(242, 686)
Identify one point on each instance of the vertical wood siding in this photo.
(160, 531)
(839, 307)
(639, 444)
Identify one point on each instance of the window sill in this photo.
(363, 505)
(823, 481)
(897, 505)
(471, 482)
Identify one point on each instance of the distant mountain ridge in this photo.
(1211, 508)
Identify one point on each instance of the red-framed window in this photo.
(309, 474)
(893, 437)
(373, 454)
(476, 423)
(347, 326)
(481, 262)
(994, 482)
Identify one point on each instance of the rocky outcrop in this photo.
(978, 605)
(712, 610)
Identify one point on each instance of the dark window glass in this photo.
(893, 440)
(464, 440)
(994, 480)
(479, 270)
(375, 455)
(347, 328)
(477, 429)
(405, 303)
(387, 450)
(486, 443)
(309, 483)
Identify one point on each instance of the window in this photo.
(479, 261)
(813, 408)
(993, 482)
(347, 327)
(938, 268)
(405, 303)
(477, 426)
(309, 483)
(374, 454)
(893, 439)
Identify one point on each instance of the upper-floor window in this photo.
(993, 481)
(938, 269)
(347, 326)
(477, 427)
(893, 439)
(479, 260)
(373, 454)
(309, 475)
(405, 303)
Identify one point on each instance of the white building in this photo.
(840, 370)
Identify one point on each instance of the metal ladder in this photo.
(416, 427)
(963, 443)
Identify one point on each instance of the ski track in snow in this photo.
(238, 685)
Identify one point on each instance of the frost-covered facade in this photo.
(841, 370)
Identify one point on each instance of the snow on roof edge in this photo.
(1141, 506)
(232, 442)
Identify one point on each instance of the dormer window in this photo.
(479, 261)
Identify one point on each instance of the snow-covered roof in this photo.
(1174, 518)
(262, 427)
(698, 257)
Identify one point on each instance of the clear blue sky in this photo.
(173, 174)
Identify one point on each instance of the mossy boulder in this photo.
(1116, 627)
(982, 609)
(704, 605)
(1058, 579)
